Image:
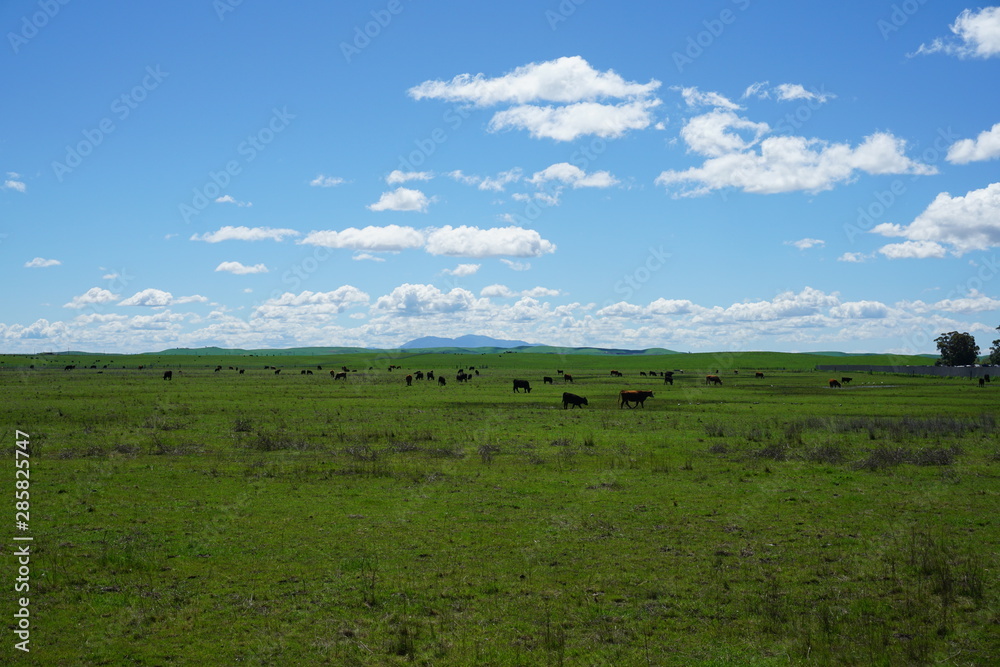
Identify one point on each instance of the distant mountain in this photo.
(463, 341)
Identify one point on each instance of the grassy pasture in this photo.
(219, 518)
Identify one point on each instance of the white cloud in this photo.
(401, 199)
(860, 310)
(13, 182)
(571, 83)
(974, 302)
(462, 270)
(499, 291)
(854, 257)
(396, 176)
(155, 298)
(309, 305)
(966, 223)
(417, 300)
(240, 269)
(566, 123)
(977, 35)
(758, 89)
(784, 164)
(228, 199)
(565, 80)
(229, 233)
(492, 183)
(696, 98)
(536, 292)
(93, 296)
(465, 241)
(41, 263)
(984, 147)
(787, 92)
(516, 266)
(390, 238)
(803, 244)
(711, 133)
(573, 176)
(363, 256)
(322, 181)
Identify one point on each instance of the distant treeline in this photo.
(941, 371)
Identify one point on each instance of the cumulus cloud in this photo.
(240, 269)
(322, 181)
(492, 183)
(418, 300)
(397, 176)
(363, 256)
(965, 223)
(779, 163)
(573, 176)
(155, 298)
(974, 302)
(571, 87)
(390, 238)
(697, 98)
(308, 305)
(976, 34)
(853, 257)
(92, 297)
(14, 182)
(986, 146)
(41, 263)
(462, 270)
(516, 266)
(803, 244)
(787, 92)
(228, 199)
(498, 291)
(401, 199)
(466, 241)
(229, 233)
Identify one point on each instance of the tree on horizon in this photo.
(957, 349)
(994, 359)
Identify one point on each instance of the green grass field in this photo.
(219, 518)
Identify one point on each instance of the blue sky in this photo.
(699, 176)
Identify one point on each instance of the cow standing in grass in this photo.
(846, 380)
(522, 384)
(567, 378)
(574, 400)
(637, 396)
(713, 379)
(409, 380)
(834, 384)
(546, 380)
(168, 375)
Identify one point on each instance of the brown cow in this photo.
(834, 384)
(567, 377)
(637, 396)
(713, 379)
(409, 380)
(616, 374)
(758, 374)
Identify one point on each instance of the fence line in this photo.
(940, 371)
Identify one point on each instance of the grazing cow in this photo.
(845, 380)
(736, 372)
(982, 382)
(572, 399)
(419, 375)
(642, 373)
(634, 396)
(559, 371)
(522, 384)
(277, 371)
(713, 379)
(241, 371)
(441, 381)
(339, 375)
(69, 368)
(430, 375)
(168, 375)
(567, 378)
(308, 372)
(546, 380)
(302, 372)
(409, 380)
(668, 379)
(462, 377)
(218, 368)
(616, 374)
(834, 384)
(758, 374)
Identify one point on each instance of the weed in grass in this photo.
(718, 448)
(487, 452)
(832, 453)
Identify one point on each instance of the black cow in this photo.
(846, 380)
(668, 379)
(546, 380)
(616, 374)
(441, 381)
(637, 396)
(168, 375)
(572, 399)
(409, 380)
(758, 374)
(982, 382)
(339, 375)
(522, 384)
(241, 371)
